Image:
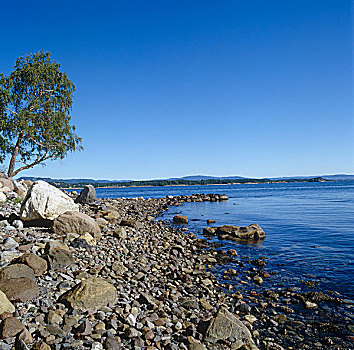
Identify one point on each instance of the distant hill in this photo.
(204, 177)
(188, 179)
(337, 177)
(70, 181)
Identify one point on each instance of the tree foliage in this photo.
(35, 107)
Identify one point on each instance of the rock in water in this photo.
(225, 325)
(44, 201)
(87, 195)
(5, 304)
(180, 219)
(76, 222)
(252, 232)
(91, 294)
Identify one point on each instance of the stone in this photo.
(76, 222)
(41, 345)
(180, 219)
(36, 263)
(44, 201)
(59, 255)
(209, 231)
(88, 238)
(112, 344)
(91, 294)
(54, 318)
(119, 268)
(3, 197)
(5, 304)
(196, 346)
(7, 183)
(252, 232)
(17, 271)
(120, 233)
(10, 327)
(25, 336)
(210, 221)
(225, 325)
(10, 244)
(20, 188)
(87, 195)
(19, 289)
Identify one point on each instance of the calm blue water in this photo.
(309, 227)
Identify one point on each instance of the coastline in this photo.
(168, 293)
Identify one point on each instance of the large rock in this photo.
(19, 289)
(10, 327)
(7, 183)
(226, 326)
(16, 271)
(36, 263)
(59, 255)
(251, 233)
(180, 219)
(87, 195)
(2, 197)
(5, 304)
(91, 294)
(76, 222)
(44, 201)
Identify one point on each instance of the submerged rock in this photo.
(180, 219)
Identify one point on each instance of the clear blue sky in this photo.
(172, 88)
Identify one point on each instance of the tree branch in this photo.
(37, 161)
(11, 111)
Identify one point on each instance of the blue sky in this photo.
(173, 88)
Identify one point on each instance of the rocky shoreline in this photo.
(111, 275)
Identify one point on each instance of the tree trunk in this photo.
(14, 155)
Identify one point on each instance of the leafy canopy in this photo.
(35, 106)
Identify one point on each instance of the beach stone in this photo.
(5, 304)
(252, 232)
(59, 255)
(10, 244)
(10, 327)
(44, 201)
(76, 222)
(180, 219)
(120, 233)
(225, 325)
(36, 263)
(196, 346)
(16, 271)
(7, 183)
(3, 197)
(19, 289)
(209, 231)
(112, 344)
(88, 238)
(87, 195)
(41, 345)
(91, 294)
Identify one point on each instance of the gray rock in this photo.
(226, 326)
(76, 222)
(87, 195)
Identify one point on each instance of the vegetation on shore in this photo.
(181, 182)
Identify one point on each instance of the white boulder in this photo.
(2, 197)
(44, 201)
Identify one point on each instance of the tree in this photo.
(35, 106)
